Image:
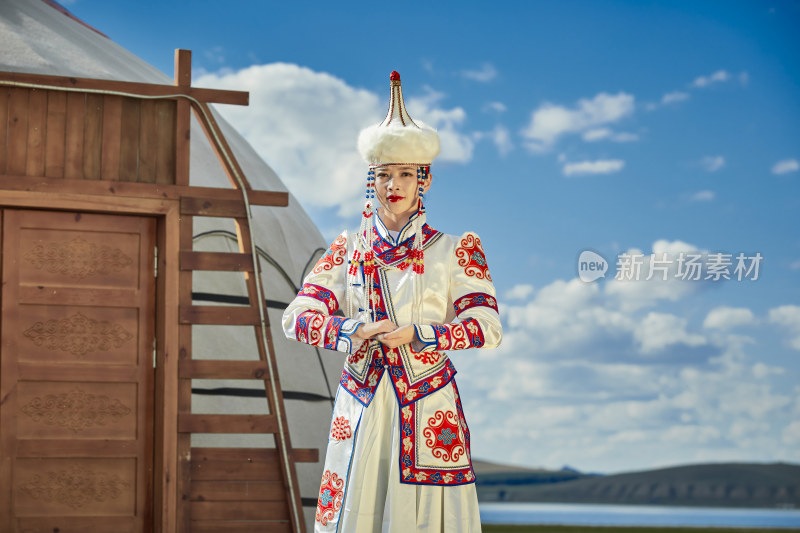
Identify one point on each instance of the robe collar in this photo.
(406, 233)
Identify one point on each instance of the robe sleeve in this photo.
(477, 320)
(310, 316)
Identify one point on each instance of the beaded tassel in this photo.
(363, 245)
(417, 264)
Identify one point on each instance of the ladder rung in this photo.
(232, 262)
(252, 455)
(191, 423)
(212, 207)
(222, 369)
(305, 455)
(220, 315)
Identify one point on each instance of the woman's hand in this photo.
(372, 329)
(386, 332)
(398, 337)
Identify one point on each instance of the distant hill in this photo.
(712, 485)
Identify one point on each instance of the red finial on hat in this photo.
(394, 76)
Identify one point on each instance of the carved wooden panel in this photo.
(75, 487)
(89, 335)
(70, 410)
(76, 372)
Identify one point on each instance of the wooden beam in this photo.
(219, 315)
(4, 93)
(252, 455)
(136, 190)
(166, 471)
(222, 369)
(265, 491)
(240, 511)
(218, 261)
(194, 423)
(305, 455)
(222, 526)
(213, 207)
(183, 118)
(145, 89)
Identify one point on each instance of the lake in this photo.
(635, 515)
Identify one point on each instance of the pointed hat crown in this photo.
(398, 139)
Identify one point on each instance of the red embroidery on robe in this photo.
(331, 493)
(309, 327)
(334, 256)
(320, 294)
(427, 358)
(459, 335)
(471, 257)
(474, 299)
(341, 429)
(443, 437)
(359, 354)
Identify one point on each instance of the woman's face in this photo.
(396, 189)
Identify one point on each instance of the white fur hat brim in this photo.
(415, 143)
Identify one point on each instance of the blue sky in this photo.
(606, 125)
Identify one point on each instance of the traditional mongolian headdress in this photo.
(397, 140)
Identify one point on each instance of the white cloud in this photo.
(599, 134)
(519, 292)
(761, 370)
(667, 267)
(791, 433)
(305, 124)
(497, 107)
(486, 73)
(456, 145)
(659, 330)
(550, 121)
(712, 163)
(716, 77)
(788, 317)
(596, 134)
(602, 166)
(724, 317)
(702, 196)
(674, 96)
(584, 377)
(502, 140)
(785, 165)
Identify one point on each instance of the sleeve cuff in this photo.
(426, 339)
(345, 342)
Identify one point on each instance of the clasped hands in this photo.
(386, 332)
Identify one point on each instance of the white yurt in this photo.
(41, 37)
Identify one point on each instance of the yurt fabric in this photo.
(41, 37)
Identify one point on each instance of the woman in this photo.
(398, 456)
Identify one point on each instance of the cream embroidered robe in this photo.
(459, 311)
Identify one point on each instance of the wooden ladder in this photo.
(230, 489)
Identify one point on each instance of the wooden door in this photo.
(76, 374)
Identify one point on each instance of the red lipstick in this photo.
(394, 198)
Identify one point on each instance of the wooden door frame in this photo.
(165, 405)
